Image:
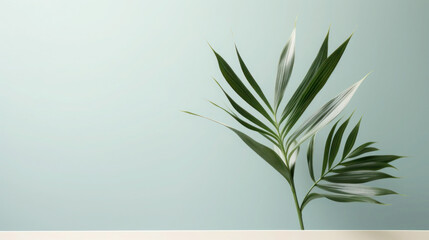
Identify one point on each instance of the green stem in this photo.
(298, 208)
(321, 177)
(292, 183)
(280, 140)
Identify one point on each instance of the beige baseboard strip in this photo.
(215, 235)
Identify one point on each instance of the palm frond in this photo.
(345, 178)
(342, 172)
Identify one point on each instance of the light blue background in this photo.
(91, 137)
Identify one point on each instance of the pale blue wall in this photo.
(91, 137)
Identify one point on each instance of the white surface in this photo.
(215, 235)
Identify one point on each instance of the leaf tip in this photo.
(351, 115)
(212, 102)
(210, 46)
(187, 112)
(214, 79)
(236, 48)
(369, 73)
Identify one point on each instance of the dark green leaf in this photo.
(328, 147)
(357, 177)
(252, 81)
(336, 142)
(339, 198)
(358, 150)
(363, 166)
(351, 139)
(355, 189)
(373, 158)
(245, 113)
(310, 158)
(238, 86)
(351, 198)
(266, 153)
(321, 56)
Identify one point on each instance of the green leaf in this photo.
(252, 81)
(355, 189)
(263, 151)
(316, 84)
(245, 113)
(238, 86)
(339, 198)
(328, 147)
(336, 142)
(350, 198)
(363, 166)
(265, 134)
(357, 177)
(284, 71)
(373, 158)
(351, 139)
(310, 197)
(361, 150)
(310, 152)
(321, 56)
(324, 115)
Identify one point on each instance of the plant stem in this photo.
(321, 177)
(298, 209)
(292, 183)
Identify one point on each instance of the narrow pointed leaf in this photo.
(362, 149)
(284, 71)
(351, 139)
(339, 198)
(328, 147)
(263, 151)
(336, 142)
(350, 198)
(373, 158)
(252, 81)
(266, 153)
(363, 166)
(245, 113)
(310, 152)
(355, 189)
(321, 56)
(237, 85)
(357, 177)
